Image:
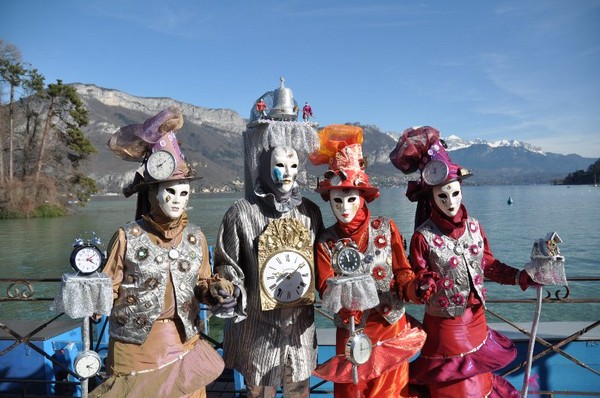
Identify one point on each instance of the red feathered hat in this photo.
(341, 150)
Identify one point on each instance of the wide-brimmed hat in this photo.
(138, 142)
(421, 149)
(341, 150)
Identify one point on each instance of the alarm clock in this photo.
(87, 257)
(346, 259)
(87, 364)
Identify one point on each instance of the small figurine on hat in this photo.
(450, 256)
(159, 265)
(307, 112)
(362, 274)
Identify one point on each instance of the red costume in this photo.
(385, 374)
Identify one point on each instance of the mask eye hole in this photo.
(337, 200)
(442, 196)
(351, 200)
(454, 194)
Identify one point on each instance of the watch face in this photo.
(87, 259)
(87, 364)
(359, 348)
(347, 260)
(435, 172)
(161, 165)
(286, 276)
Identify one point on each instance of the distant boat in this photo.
(510, 200)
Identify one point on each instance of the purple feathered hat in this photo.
(137, 142)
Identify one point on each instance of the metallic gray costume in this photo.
(142, 292)
(259, 343)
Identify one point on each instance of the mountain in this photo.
(211, 139)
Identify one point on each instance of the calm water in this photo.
(41, 247)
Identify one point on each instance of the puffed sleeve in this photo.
(114, 265)
(419, 250)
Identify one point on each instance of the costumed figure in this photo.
(159, 265)
(265, 247)
(450, 255)
(261, 108)
(306, 112)
(362, 271)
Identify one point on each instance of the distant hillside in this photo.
(212, 141)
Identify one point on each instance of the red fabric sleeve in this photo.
(403, 273)
(324, 268)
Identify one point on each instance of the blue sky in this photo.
(524, 70)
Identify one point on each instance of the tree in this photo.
(11, 72)
(31, 104)
(65, 115)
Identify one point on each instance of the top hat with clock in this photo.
(154, 145)
(421, 149)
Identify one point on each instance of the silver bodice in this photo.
(142, 291)
(458, 262)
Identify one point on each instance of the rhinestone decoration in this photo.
(173, 254)
(142, 253)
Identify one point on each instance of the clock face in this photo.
(161, 165)
(286, 276)
(359, 348)
(435, 172)
(348, 260)
(87, 259)
(87, 364)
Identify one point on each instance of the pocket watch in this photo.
(434, 172)
(87, 257)
(87, 364)
(359, 346)
(161, 165)
(346, 259)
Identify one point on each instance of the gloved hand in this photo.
(218, 284)
(226, 302)
(346, 314)
(426, 285)
(524, 280)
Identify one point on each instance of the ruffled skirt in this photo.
(459, 356)
(162, 366)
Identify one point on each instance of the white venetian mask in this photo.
(284, 168)
(173, 197)
(345, 203)
(448, 197)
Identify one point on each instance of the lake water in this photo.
(41, 247)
